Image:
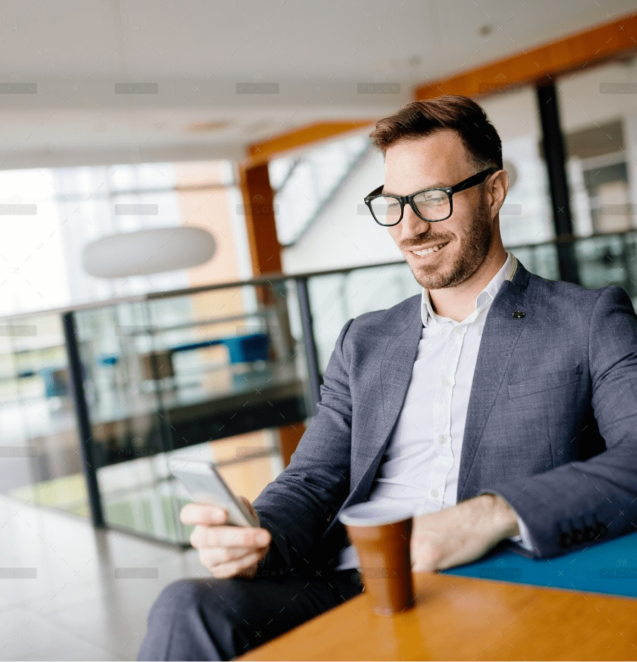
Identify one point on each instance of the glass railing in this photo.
(39, 449)
(210, 373)
(96, 399)
(338, 297)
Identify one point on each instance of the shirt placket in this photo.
(443, 462)
(456, 340)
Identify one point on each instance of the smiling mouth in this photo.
(430, 251)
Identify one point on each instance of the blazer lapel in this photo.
(499, 338)
(394, 375)
(396, 369)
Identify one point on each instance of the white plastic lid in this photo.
(375, 514)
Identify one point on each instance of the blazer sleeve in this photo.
(580, 503)
(298, 505)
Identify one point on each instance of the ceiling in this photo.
(113, 81)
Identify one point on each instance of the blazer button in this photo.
(600, 530)
(565, 539)
(589, 533)
(578, 536)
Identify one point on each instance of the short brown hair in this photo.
(450, 111)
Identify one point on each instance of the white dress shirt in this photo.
(421, 463)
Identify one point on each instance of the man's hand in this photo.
(226, 551)
(461, 534)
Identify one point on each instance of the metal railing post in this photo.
(555, 157)
(311, 355)
(83, 422)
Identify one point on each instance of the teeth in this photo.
(429, 251)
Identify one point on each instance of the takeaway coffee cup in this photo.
(381, 535)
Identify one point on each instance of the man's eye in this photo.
(432, 198)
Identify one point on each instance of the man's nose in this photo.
(413, 225)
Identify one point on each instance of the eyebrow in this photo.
(437, 184)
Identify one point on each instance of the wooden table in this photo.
(461, 618)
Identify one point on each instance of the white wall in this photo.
(344, 235)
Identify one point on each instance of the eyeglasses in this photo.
(431, 204)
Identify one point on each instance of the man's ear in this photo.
(497, 191)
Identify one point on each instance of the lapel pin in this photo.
(518, 314)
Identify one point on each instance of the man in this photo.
(501, 405)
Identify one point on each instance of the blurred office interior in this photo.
(249, 121)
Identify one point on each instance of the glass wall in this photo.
(598, 109)
(525, 217)
(52, 214)
(40, 458)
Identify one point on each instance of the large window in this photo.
(598, 114)
(598, 109)
(47, 218)
(49, 215)
(525, 217)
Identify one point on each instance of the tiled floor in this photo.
(74, 608)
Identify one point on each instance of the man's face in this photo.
(439, 160)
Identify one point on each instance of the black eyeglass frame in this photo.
(465, 184)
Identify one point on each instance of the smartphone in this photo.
(205, 485)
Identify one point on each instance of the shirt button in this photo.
(446, 381)
(442, 439)
(458, 330)
(434, 493)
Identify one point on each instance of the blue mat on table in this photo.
(608, 567)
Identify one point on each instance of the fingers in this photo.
(202, 513)
(250, 573)
(212, 556)
(245, 566)
(226, 551)
(229, 536)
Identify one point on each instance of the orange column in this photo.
(265, 253)
(258, 203)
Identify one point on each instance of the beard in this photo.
(475, 248)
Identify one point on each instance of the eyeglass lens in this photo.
(432, 205)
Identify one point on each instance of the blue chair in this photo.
(56, 381)
(241, 349)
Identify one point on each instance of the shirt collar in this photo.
(429, 318)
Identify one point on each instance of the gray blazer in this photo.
(551, 423)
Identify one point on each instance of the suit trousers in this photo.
(220, 619)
